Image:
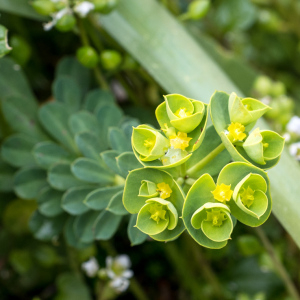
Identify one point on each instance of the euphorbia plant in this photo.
(188, 174)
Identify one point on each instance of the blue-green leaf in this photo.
(49, 202)
(136, 236)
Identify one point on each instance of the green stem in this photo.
(85, 41)
(190, 181)
(278, 265)
(206, 269)
(183, 270)
(204, 161)
(137, 290)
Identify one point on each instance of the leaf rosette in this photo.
(233, 118)
(157, 200)
(183, 122)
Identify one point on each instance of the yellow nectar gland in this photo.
(247, 196)
(216, 216)
(180, 141)
(157, 212)
(182, 113)
(164, 190)
(149, 143)
(222, 193)
(236, 131)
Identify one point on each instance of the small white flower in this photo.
(293, 125)
(295, 150)
(55, 17)
(117, 270)
(91, 267)
(83, 8)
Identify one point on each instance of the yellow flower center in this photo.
(236, 131)
(157, 212)
(180, 141)
(182, 113)
(222, 193)
(247, 197)
(216, 216)
(164, 190)
(149, 143)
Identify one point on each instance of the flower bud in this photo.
(87, 56)
(21, 51)
(263, 85)
(149, 143)
(198, 9)
(110, 59)
(4, 47)
(105, 6)
(44, 7)
(262, 146)
(65, 23)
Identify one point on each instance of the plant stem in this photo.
(183, 270)
(205, 266)
(183, 170)
(204, 161)
(137, 290)
(85, 41)
(278, 265)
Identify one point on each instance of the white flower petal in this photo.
(90, 267)
(120, 284)
(127, 274)
(83, 8)
(295, 150)
(123, 260)
(294, 125)
(111, 274)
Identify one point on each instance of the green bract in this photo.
(252, 211)
(183, 122)
(245, 111)
(233, 118)
(262, 146)
(149, 143)
(157, 217)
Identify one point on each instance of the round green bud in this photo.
(198, 9)
(66, 23)
(87, 56)
(278, 89)
(99, 5)
(60, 5)
(263, 85)
(105, 6)
(21, 49)
(43, 7)
(110, 59)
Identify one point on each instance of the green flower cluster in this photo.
(188, 181)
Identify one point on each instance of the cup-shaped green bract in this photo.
(183, 115)
(163, 215)
(201, 210)
(250, 195)
(245, 111)
(262, 146)
(251, 201)
(234, 134)
(158, 216)
(148, 189)
(214, 220)
(149, 143)
(155, 150)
